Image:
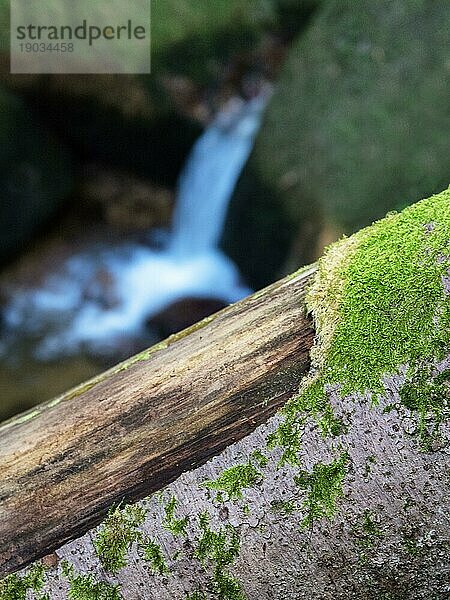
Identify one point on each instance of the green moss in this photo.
(153, 554)
(310, 404)
(233, 480)
(175, 526)
(220, 548)
(260, 458)
(392, 308)
(288, 434)
(226, 586)
(86, 587)
(15, 587)
(427, 393)
(368, 532)
(379, 303)
(117, 533)
(196, 596)
(324, 487)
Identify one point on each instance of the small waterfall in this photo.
(210, 175)
(69, 313)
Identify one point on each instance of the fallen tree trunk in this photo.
(136, 428)
(344, 494)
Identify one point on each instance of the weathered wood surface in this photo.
(137, 427)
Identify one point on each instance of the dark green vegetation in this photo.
(323, 488)
(187, 31)
(220, 549)
(35, 173)
(233, 480)
(120, 531)
(359, 122)
(426, 392)
(196, 596)
(85, 587)
(172, 524)
(216, 550)
(153, 554)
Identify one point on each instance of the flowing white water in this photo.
(72, 310)
(210, 175)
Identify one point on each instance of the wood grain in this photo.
(136, 428)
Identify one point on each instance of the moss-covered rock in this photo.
(35, 174)
(358, 127)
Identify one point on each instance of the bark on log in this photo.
(136, 428)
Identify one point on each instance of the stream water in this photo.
(73, 311)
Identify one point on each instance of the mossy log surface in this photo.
(134, 429)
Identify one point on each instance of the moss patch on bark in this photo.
(15, 587)
(381, 306)
(116, 535)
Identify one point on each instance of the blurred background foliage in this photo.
(358, 125)
(147, 124)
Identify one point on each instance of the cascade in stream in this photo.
(145, 280)
(210, 175)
